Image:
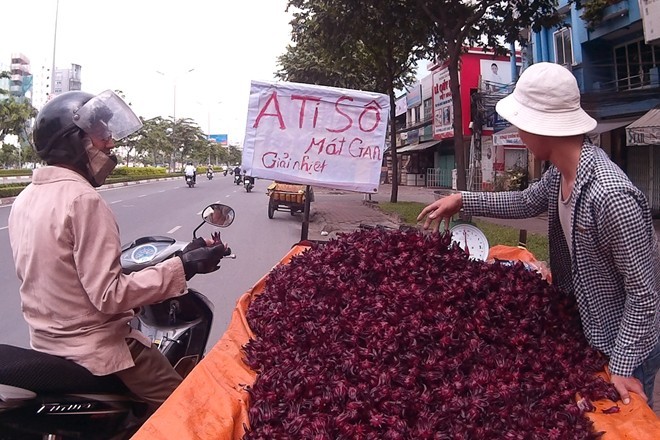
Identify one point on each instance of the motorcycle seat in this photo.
(45, 374)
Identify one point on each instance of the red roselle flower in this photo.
(398, 335)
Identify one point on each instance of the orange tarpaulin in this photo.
(212, 403)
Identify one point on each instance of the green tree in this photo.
(8, 155)
(14, 117)
(375, 42)
(309, 61)
(151, 140)
(457, 24)
(234, 155)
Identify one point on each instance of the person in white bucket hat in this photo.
(603, 247)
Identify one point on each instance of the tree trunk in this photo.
(454, 51)
(395, 163)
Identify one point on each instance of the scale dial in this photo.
(471, 239)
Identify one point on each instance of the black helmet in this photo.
(57, 139)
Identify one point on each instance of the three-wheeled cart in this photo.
(286, 197)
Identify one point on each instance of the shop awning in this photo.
(613, 124)
(645, 130)
(509, 136)
(417, 147)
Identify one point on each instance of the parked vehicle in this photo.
(48, 397)
(286, 197)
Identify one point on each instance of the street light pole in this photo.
(52, 70)
(174, 107)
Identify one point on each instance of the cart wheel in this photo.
(271, 210)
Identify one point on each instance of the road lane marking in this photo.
(174, 229)
(143, 195)
(4, 227)
(116, 201)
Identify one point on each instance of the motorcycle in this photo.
(225, 172)
(209, 174)
(238, 179)
(249, 183)
(47, 397)
(190, 181)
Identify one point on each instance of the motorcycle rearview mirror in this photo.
(219, 215)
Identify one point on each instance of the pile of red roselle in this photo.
(398, 335)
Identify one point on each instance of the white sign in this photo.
(316, 135)
(650, 12)
(443, 110)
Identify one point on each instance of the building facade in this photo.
(65, 80)
(424, 123)
(615, 58)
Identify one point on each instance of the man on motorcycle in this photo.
(191, 170)
(237, 175)
(66, 247)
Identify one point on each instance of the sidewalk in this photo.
(336, 211)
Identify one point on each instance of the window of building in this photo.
(417, 111)
(563, 47)
(633, 61)
(428, 109)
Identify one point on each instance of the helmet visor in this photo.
(107, 115)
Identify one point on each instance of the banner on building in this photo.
(443, 111)
(316, 135)
(650, 12)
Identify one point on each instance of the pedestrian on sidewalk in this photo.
(603, 247)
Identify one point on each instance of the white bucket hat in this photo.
(546, 101)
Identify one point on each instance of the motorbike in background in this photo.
(238, 179)
(48, 397)
(248, 183)
(190, 181)
(209, 174)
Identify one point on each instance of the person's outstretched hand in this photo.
(442, 209)
(624, 385)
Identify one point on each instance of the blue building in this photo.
(615, 58)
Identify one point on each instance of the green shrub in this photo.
(21, 172)
(14, 184)
(11, 191)
(138, 171)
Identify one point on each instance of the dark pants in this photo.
(647, 371)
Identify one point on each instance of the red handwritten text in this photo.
(273, 159)
(335, 147)
(368, 117)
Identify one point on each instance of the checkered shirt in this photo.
(614, 270)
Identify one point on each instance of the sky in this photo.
(123, 44)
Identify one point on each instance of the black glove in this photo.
(205, 259)
(195, 244)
